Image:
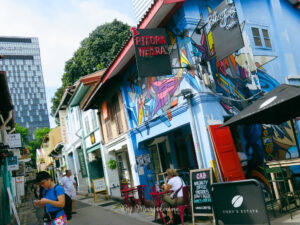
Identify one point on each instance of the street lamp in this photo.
(188, 95)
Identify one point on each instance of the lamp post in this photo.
(187, 94)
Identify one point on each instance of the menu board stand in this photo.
(201, 179)
(99, 186)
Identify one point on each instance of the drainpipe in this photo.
(187, 94)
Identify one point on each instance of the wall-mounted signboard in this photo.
(151, 52)
(224, 25)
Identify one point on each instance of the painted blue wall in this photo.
(233, 80)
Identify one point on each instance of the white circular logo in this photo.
(237, 201)
(267, 102)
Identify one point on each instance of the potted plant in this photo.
(112, 164)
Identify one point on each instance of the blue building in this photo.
(169, 117)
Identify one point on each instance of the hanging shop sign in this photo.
(151, 52)
(12, 163)
(82, 162)
(201, 180)
(223, 22)
(92, 137)
(20, 171)
(104, 111)
(14, 140)
(233, 203)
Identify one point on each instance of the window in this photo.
(94, 120)
(87, 125)
(261, 37)
(266, 38)
(116, 112)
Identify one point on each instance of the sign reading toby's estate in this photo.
(234, 203)
(151, 52)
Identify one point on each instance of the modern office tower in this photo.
(140, 8)
(22, 64)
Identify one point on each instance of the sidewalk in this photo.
(30, 215)
(147, 215)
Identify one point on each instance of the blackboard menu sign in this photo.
(201, 179)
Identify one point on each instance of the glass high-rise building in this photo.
(22, 64)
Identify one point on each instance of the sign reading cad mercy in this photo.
(224, 25)
(151, 52)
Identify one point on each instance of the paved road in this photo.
(94, 215)
(86, 214)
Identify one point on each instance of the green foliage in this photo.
(95, 53)
(39, 135)
(112, 164)
(24, 133)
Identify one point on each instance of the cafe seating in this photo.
(141, 200)
(187, 203)
(282, 194)
(129, 196)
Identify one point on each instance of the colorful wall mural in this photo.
(240, 77)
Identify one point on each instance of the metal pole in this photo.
(195, 133)
(295, 135)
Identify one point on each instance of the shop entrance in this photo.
(174, 149)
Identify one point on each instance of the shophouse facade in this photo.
(118, 156)
(72, 152)
(45, 157)
(169, 117)
(90, 129)
(7, 125)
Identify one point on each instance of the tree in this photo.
(94, 53)
(35, 144)
(24, 133)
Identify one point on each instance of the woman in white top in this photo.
(173, 184)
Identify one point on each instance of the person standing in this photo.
(70, 187)
(53, 200)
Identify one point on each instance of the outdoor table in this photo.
(157, 201)
(129, 193)
(126, 192)
(282, 163)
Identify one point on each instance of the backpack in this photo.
(68, 204)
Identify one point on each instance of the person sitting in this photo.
(173, 185)
(53, 200)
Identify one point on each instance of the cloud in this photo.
(59, 25)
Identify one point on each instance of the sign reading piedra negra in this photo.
(151, 52)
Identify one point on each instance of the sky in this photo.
(60, 26)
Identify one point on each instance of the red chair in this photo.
(141, 200)
(187, 203)
(128, 196)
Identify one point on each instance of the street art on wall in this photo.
(152, 96)
(238, 77)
